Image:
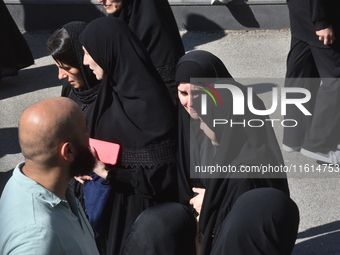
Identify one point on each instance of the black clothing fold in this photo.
(154, 24)
(165, 229)
(170, 228)
(15, 53)
(133, 109)
(262, 221)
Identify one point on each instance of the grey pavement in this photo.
(256, 59)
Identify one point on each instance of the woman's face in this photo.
(111, 6)
(88, 61)
(186, 93)
(70, 73)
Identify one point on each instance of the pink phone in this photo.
(107, 152)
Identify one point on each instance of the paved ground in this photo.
(256, 59)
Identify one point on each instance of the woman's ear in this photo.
(68, 151)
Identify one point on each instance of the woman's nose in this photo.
(189, 103)
(85, 62)
(62, 74)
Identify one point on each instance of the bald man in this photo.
(38, 212)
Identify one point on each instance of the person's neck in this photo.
(53, 179)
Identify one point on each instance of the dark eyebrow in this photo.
(66, 68)
(182, 91)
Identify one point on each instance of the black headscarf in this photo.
(84, 97)
(133, 107)
(238, 145)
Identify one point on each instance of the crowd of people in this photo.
(127, 80)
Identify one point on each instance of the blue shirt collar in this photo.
(35, 188)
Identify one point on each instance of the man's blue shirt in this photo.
(33, 220)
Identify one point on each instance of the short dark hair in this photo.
(59, 45)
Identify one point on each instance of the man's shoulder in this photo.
(26, 222)
(19, 210)
(30, 237)
(22, 204)
(15, 197)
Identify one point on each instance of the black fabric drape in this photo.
(133, 109)
(165, 229)
(137, 110)
(154, 24)
(262, 221)
(15, 53)
(238, 145)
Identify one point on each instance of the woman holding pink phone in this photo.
(133, 109)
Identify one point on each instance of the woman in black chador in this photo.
(134, 110)
(237, 213)
(154, 24)
(14, 51)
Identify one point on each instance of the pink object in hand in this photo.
(107, 152)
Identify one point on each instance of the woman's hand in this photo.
(99, 168)
(197, 200)
(83, 178)
(209, 133)
(326, 35)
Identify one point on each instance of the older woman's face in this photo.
(111, 6)
(186, 93)
(96, 69)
